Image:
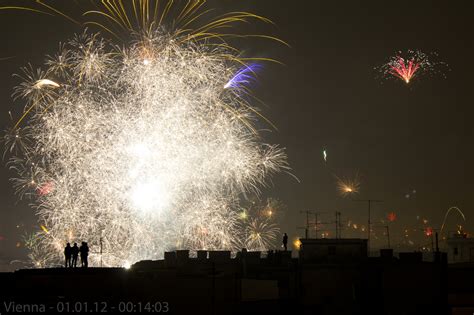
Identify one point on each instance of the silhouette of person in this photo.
(84, 253)
(285, 241)
(67, 255)
(75, 253)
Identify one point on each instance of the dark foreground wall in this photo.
(274, 285)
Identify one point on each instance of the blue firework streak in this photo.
(244, 77)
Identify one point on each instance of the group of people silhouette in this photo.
(71, 254)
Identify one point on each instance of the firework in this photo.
(260, 235)
(297, 243)
(44, 229)
(243, 215)
(404, 69)
(428, 231)
(272, 209)
(392, 216)
(258, 224)
(347, 186)
(408, 65)
(244, 77)
(325, 155)
(139, 148)
(45, 82)
(447, 214)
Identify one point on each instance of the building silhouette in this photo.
(329, 276)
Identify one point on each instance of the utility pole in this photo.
(306, 229)
(369, 202)
(432, 242)
(315, 225)
(437, 243)
(338, 224)
(308, 224)
(316, 222)
(388, 235)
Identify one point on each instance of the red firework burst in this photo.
(410, 64)
(45, 189)
(404, 69)
(429, 231)
(391, 216)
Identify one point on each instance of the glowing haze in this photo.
(140, 149)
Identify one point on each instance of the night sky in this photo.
(327, 95)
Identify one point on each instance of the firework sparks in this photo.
(273, 208)
(297, 243)
(141, 155)
(428, 231)
(392, 216)
(408, 65)
(403, 69)
(243, 215)
(447, 214)
(348, 186)
(244, 77)
(260, 235)
(258, 225)
(6, 58)
(45, 189)
(44, 229)
(45, 82)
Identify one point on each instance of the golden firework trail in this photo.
(447, 214)
(142, 17)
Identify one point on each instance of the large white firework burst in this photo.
(138, 149)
